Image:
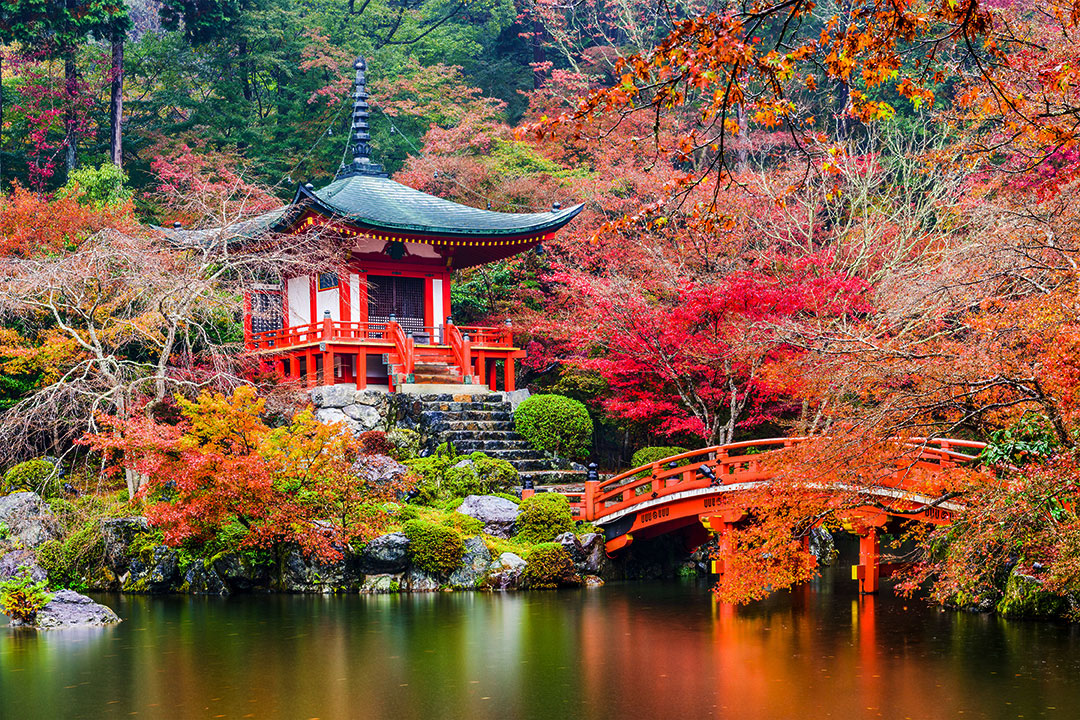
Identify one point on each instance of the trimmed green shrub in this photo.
(543, 517)
(654, 453)
(549, 565)
(29, 475)
(21, 598)
(434, 548)
(555, 424)
(441, 479)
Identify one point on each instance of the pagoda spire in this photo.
(360, 138)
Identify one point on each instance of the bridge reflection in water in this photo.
(631, 650)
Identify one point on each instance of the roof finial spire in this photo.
(360, 138)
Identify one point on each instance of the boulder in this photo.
(29, 520)
(474, 565)
(10, 564)
(240, 574)
(381, 584)
(592, 581)
(156, 575)
(499, 515)
(416, 580)
(333, 396)
(329, 416)
(1025, 597)
(373, 398)
(506, 572)
(70, 609)
(118, 534)
(385, 554)
(202, 579)
(380, 469)
(822, 546)
(594, 554)
(587, 552)
(301, 574)
(364, 417)
(515, 398)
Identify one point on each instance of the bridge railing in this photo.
(740, 462)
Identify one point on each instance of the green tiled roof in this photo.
(381, 203)
(237, 232)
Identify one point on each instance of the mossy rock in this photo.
(548, 566)
(1025, 598)
(435, 549)
(29, 475)
(543, 517)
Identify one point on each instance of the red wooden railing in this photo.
(362, 332)
(602, 498)
(461, 348)
(340, 331)
(405, 347)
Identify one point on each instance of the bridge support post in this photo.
(868, 571)
(721, 525)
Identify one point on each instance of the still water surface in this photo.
(622, 651)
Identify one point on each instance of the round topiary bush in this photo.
(554, 423)
(543, 517)
(27, 475)
(549, 565)
(655, 453)
(435, 549)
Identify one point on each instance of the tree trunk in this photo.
(116, 109)
(538, 54)
(743, 153)
(70, 119)
(1, 122)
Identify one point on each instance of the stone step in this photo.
(480, 426)
(458, 406)
(489, 399)
(481, 435)
(483, 445)
(489, 415)
(553, 477)
(430, 379)
(448, 389)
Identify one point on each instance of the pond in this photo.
(624, 650)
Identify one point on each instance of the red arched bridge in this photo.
(697, 493)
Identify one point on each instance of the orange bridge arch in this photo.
(698, 491)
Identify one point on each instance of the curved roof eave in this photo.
(378, 203)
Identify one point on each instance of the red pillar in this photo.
(508, 376)
(309, 367)
(868, 570)
(361, 364)
(328, 368)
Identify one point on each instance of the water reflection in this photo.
(641, 651)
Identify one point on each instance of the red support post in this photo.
(867, 572)
(589, 499)
(328, 368)
(361, 369)
(508, 375)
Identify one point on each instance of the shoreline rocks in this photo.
(69, 609)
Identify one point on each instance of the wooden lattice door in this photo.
(266, 310)
(402, 297)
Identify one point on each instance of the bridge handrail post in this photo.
(592, 481)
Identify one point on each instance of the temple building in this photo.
(384, 318)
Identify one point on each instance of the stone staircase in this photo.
(485, 423)
(433, 365)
